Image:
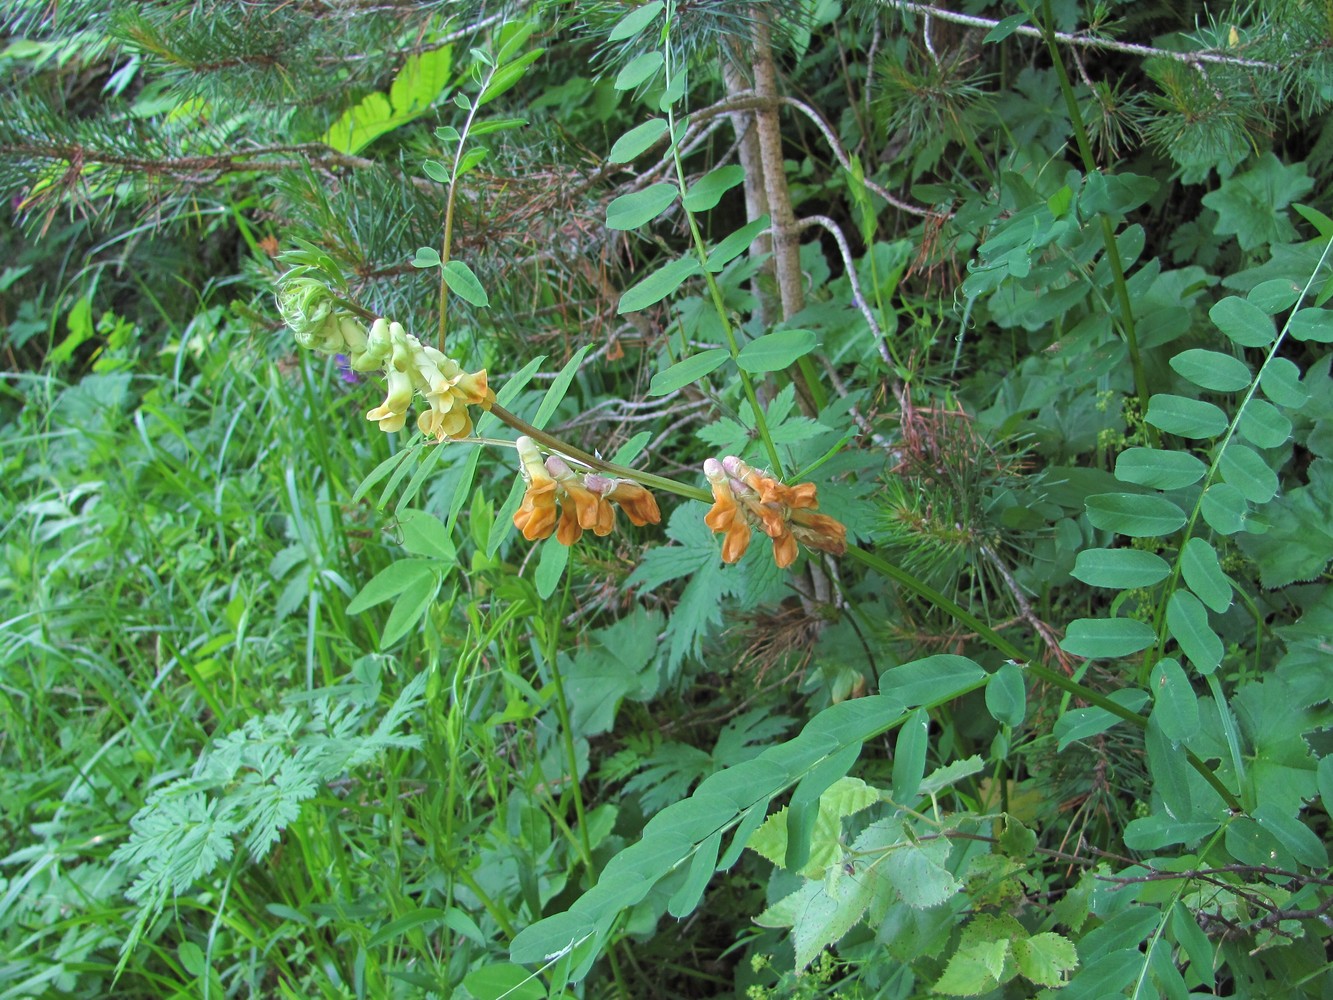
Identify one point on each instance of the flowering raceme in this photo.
(410, 367)
(744, 497)
(585, 499)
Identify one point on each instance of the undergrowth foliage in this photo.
(864, 529)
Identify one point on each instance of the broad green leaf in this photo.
(391, 581)
(409, 609)
(508, 76)
(909, 756)
(1263, 425)
(685, 899)
(658, 285)
(1250, 204)
(426, 257)
(1157, 467)
(502, 980)
(463, 283)
(932, 680)
(1083, 723)
(1187, 621)
(1185, 417)
(845, 797)
(1203, 573)
(775, 351)
(1177, 707)
(1134, 514)
(1006, 695)
(1281, 382)
(918, 872)
(1106, 638)
(559, 387)
(736, 244)
(636, 140)
(1275, 295)
(1213, 370)
(950, 774)
(1046, 958)
(1313, 324)
(1119, 569)
(550, 567)
(1304, 844)
(630, 211)
(1247, 471)
(1170, 771)
(1224, 508)
(1193, 941)
(1244, 322)
(424, 534)
(638, 70)
(708, 190)
(674, 90)
(437, 172)
(635, 21)
(1325, 781)
(805, 808)
(683, 373)
(974, 968)
(471, 158)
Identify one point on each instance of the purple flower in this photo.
(345, 370)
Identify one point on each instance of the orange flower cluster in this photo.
(585, 499)
(743, 497)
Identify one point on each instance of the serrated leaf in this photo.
(463, 283)
(1119, 569)
(1247, 471)
(917, 872)
(1243, 322)
(637, 140)
(1262, 424)
(1312, 324)
(1134, 514)
(974, 969)
(1299, 541)
(658, 285)
(686, 372)
(1185, 417)
(635, 21)
(1006, 695)
(1177, 707)
(1046, 958)
(1156, 467)
(708, 190)
(776, 351)
(1106, 638)
(630, 211)
(638, 70)
(1203, 574)
(845, 797)
(1213, 370)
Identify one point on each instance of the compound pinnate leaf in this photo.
(1224, 508)
(633, 23)
(1083, 723)
(929, 681)
(1313, 324)
(638, 70)
(1006, 695)
(463, 283)
(1263, 424)
(1281, 382)
(708, 190)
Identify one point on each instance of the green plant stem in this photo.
(1009, 649)
(1108, 233)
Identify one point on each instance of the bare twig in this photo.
(849, 266)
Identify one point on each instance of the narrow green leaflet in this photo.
(1213, 370)
(1185, 417)
(1170, 770)
(1084, 723)
(1134, 514)
(630, 211)
(1106, 638)
(683, 373)
(409, 608)
(686, 898)
(1165, 470)
(1177, 707)
(388, 583)
(639, 70)
(550, 567)
(1006, 695)
(658, 285)
(463, 283)
(909, 756)
(736, 244)
(635, 21)
(1246, 470)
(1203, 574)
(1244, 322)
(1187, 621)
(775, 351)
(924, 682)
(555, 394)
(637, 140)
(708, 190)
(1119, 569)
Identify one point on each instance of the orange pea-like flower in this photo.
(743, 496)
(725, 515)
(638, 503)
(536, 515)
